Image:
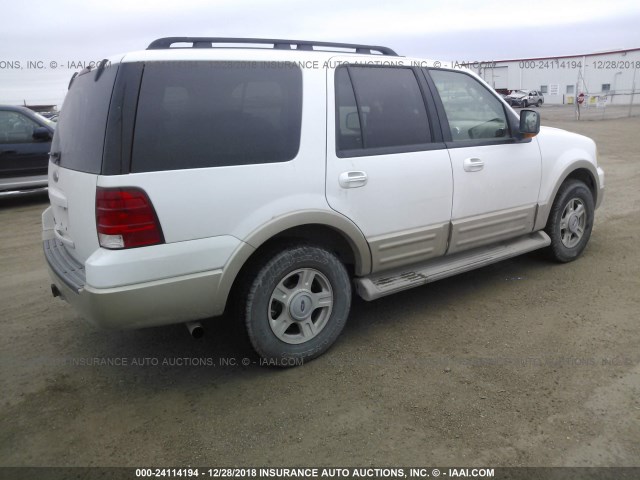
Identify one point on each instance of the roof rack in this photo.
(208, 42)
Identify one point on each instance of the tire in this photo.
(539, 103)
(524, 104)
(281, 327)
(570, 221)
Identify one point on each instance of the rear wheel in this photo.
(297, 304)
(570, 221)
(539, 103)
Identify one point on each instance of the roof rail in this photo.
(208, 42)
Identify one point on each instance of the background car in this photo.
(525, 98)
(25, 142)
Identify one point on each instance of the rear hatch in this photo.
(76, 159)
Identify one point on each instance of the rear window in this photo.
(80, 131)
(210, 114)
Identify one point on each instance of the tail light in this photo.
(125, 218)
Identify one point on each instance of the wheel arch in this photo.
(332, 231)
(583, 171)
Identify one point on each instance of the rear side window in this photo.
(211, 114)
(379, 107)
(80, 131)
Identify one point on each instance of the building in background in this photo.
(610, 77)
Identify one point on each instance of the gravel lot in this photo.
(524, 363)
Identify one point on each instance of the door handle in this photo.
(352, 179)
(472, 164)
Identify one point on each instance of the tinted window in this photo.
(349, 134)
(472, 111)
(391, 108)
(207, 114)
(16, 127)
(79, 134)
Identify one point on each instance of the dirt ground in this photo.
(523, 363)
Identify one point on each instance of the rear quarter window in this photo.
(211, 114)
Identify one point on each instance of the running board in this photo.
(392, 281)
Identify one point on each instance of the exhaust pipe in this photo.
(55, 291)
(195, 329)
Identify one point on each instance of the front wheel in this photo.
(570, 221)
(524, 104)
(297, 305)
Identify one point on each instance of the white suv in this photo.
(186, 180)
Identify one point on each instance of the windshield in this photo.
(45, 120)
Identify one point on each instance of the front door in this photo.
(496, 178)
(20, 154)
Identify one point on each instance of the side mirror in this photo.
(41, 133)
(529, 123)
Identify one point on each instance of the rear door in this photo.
(77, 151)
(387, 167)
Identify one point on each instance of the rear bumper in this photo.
(161, 302)
(180, 297)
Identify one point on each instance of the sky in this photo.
(43, 42)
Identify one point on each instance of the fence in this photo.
(607, 105)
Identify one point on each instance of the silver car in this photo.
(525, 98)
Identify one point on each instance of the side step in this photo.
(392, 281)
